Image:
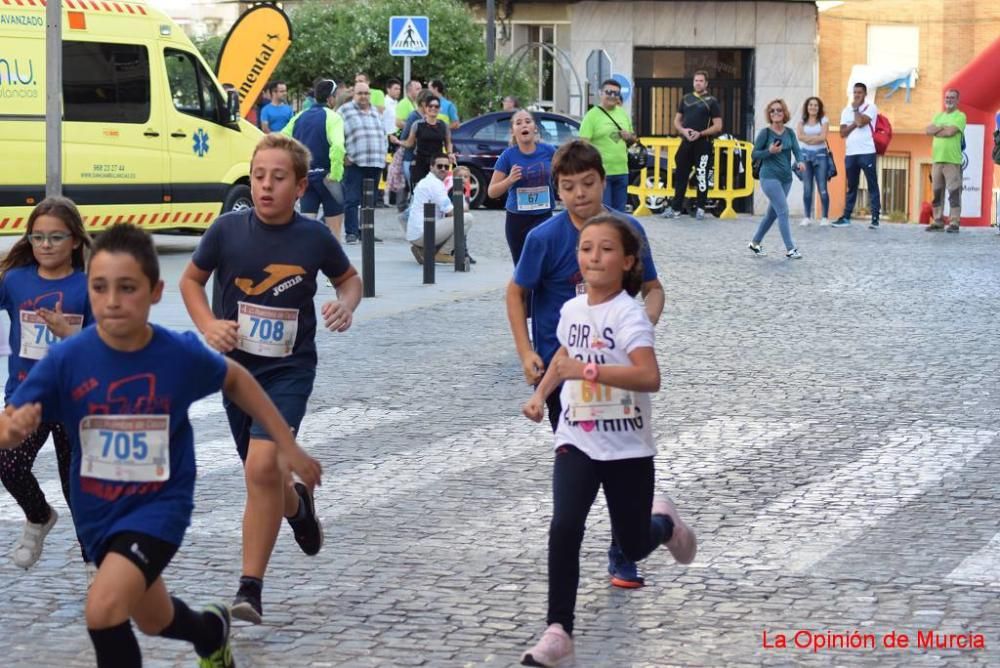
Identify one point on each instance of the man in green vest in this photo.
(948, 130)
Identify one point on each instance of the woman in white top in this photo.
(811, 133)
(607, 368)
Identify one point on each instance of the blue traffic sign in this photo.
(626, 85)
(409, 36)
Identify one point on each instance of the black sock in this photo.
(116, 647)
(201, 629)
(254, 583)
(662, 526)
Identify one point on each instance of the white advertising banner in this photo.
(972, 171)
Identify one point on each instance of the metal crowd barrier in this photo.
(657, 181)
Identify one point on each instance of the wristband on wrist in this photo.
(590, 371)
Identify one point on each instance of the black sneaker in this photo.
(874, 224)
(377, 240)
(351, 238)
(223, 656)
(246, 605)
(308, 530)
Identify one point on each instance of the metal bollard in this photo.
(458, 202)
(430, 247)
(368, 237)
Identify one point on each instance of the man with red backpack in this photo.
(857, 126)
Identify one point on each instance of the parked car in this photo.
(479, 141)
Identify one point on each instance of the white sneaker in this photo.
(824, 221)
(682, 544)
(555, 648)
(29, 549)
(805, 222)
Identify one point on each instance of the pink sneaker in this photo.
(555, 648)
(682, 544)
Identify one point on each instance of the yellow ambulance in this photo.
(149, 134)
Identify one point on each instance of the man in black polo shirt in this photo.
(698, 117)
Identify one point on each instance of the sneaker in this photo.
(670, 213)
(934, 227)
(624, 573)
(308, 530)
(29, 548)
(757, 249)
(841, 222)
(378, 241)
(555, 648)
(794, 254)
(222, 657)
(471, 259)
(246, 605)
(953, 227)
(805, 222)
(351, 238)
(824, 221)
(873, 225)
(699, 214)
(418, 253)
(682, 544)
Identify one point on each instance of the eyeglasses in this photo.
(612, 93)
(442, 167)
(776, 110)
(54, 238)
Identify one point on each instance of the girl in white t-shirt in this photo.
(607, 367)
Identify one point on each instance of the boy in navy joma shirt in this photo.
(123, 389)
(267, 261)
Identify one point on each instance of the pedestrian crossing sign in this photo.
(409, 36)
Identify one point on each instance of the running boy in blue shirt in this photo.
(266, 261)
(548, 273)
(123, 388)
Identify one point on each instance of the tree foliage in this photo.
(340, 38)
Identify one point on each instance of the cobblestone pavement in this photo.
(828, 425)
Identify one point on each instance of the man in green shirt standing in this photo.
(608, 127)
(948, 130)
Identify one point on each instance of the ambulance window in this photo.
(191, 87)
(106, 83)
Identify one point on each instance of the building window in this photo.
(544, 64)
(894, 185)
(894, 46)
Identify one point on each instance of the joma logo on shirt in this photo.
(276, 273)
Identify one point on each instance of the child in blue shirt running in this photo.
(124, 388)
(43, 289)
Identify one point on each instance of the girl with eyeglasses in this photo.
(774, 146)
(43, 288)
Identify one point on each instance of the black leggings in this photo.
(16, 475)
(517, 227)
(691, 154)
(628, 490)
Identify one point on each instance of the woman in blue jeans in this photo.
(773, 147)
(812, 131)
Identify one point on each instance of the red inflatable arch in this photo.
(979, 86)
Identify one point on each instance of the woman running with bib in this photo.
(524, 172)
(43, 288)
(607, 366)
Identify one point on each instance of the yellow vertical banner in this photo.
(252, 50)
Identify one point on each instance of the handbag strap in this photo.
(612, 119)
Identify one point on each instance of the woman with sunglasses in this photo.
(774, 146)
(608, 127)
(430, 137)
(43, 288)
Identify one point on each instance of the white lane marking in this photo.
(804, 525)
(980, 567)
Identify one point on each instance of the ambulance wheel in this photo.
(238, 199)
